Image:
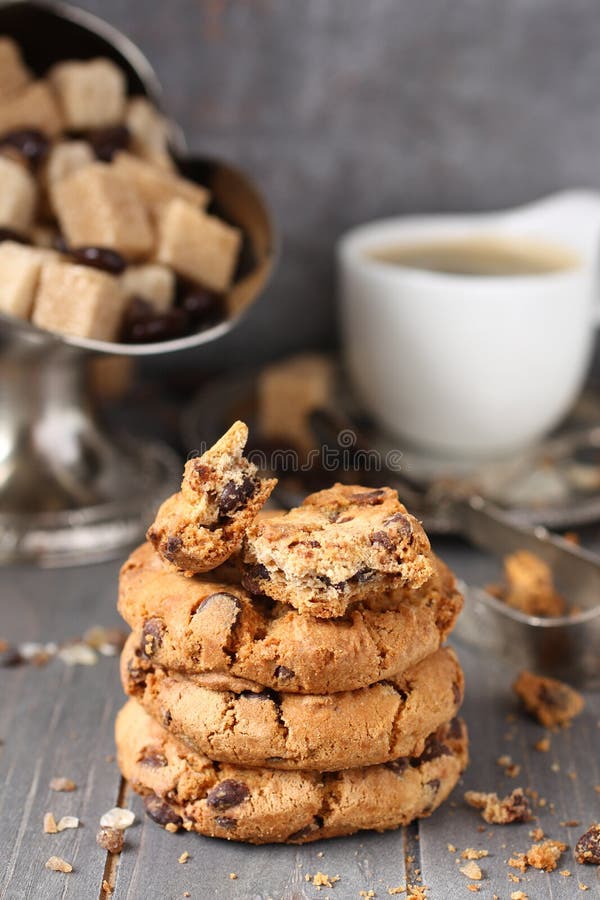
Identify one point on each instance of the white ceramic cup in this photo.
(471, 366)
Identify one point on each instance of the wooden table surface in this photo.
(57, 720)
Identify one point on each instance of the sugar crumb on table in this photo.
(62, 784)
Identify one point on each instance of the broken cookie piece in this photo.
(529, 586)
(340, 546)
(587, 849)
(497, 811)
(553, 703)
(221, 494)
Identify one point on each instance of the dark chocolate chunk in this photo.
(456, 693)
(227, 793)
(7, 234)
(433, 785)
(282, 673)
(9, 656)
(455, 730)
(225, 822)
(172, 545)
(252, 576)
(152, 636)
(161, 812)
(136, 673)
(362, 576)
(587, 848)
(398, 766)
(368, 498)
(311, 828)
(154, 759)
(108, 141)
(203, 307)
(32, 144)
(434, 748)
(141, 325)
(222, 599)
(167, 718)
(383, 538)
(235, 495)
(103, 258)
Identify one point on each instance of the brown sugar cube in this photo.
(65, 158)
(553, 703)
(79, 301)
(98, 207)
(91, 94)
(20, 269)
(14, 75)
(33, 107)
(156, 187)
(149, 133)
(288, 392)
(151, 282)
(198, 246)
(18, 196)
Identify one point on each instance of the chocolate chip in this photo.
(362, 576)
(225, 822)
(167, 718)
(433, 750)
(172, 546)
(403, 522)
(137, 675)
(311, 828)
(381, 537)
(368, 498)
(161, 812)
(587, 848)
(108, 141)
(555, 696)
(152, 637)
(32, 144)
(7, 234)
(266, 694)
(228, 602)
(282, 673)
(226, 794)
(103, 258)
(398, 766)
(455, 730)
(235, 495)
(456, 693)
(252, 576)
(154, 759)
(433, 785)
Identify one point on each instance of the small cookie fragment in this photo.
(529, 586)
(62, 784)
(553, 703)
(587, 848)
(471, 870)
(221, 493)
(56, 864)
(78, 300)
(91, 93)
(111, 839)
(545, 855)
(513, 808)
(198, 246)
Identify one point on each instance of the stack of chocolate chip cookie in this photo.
(287, 673)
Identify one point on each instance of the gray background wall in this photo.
(345, 110)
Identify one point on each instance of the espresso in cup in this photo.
(489, 256)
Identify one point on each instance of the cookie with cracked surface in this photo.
(204, 625)
(322, 732)
(184, 789)
(203, 525)
(340, 546)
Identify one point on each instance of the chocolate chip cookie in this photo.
(184, 789)
(221, 493)
(209, 624)
(340, 546)
(320, 732)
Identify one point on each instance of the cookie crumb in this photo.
(172, 827)
(471, 870)
(322, 880)
(565, 873)
(50, 826)
(519, 895)
(62, 784)
(582, 886)
(570, 823)
(471, 853)
(367, 894)
(397, 890)
(587, 848)
(184, 857)
(474, 888)
(111, 839)
(553, 703)
(66, 822)
(56, 864)
(537, 834)
(233, 876)
(496, 811)
(543, 745)
(106, 887)
(451, 848)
